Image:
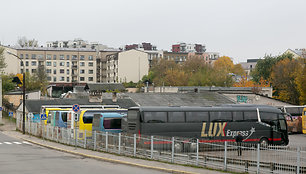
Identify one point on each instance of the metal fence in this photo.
(223, 156)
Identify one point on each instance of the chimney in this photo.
(114, 97)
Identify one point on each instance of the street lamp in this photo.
(23, 88)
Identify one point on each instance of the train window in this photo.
(176, 117)
(155, 117)
(221, 116)
(112, 123)
(250, 116)
(196, 116)
(237, 116)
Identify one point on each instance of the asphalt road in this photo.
(20, 157)
(297, 140)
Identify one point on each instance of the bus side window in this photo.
(176, 117)
(250, 116)
(112, 123)
(197, 117)
(64, 116)
(237, 116)
(155, 117)
(221, 116)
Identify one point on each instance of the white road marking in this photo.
(25, 142)
(7, 143)
(0, 143)
(17, 142)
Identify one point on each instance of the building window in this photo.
(54, 64)
(40, 56)
(67, 79)
(67, 64)
(82, 57)
(33, 63)
(74, 57)
(33, 56)
(48, 63)
(67, 71)
(62, 71)
(67, 57)
(34, 71)
(49, 57)
(27, 63)
(90, 63)
(21, 63)
(62, 63)
(54, 57)
(54, 71)
(62, 79)
(54, 79)
(82, 78)
(62, 57)
(27, 56)
(49, 78)
(82, 71)
(21, 56)
(90, 79)
(48, 71)
(90, 57)
(82, 63)
(90, 71)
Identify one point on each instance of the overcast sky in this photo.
(240, 29)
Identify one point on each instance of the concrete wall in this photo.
(132, 65)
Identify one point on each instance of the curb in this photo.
(108, 160)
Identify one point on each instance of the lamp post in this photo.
(23, 89)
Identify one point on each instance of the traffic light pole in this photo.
(23, 103)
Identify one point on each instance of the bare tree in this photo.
(24, 42)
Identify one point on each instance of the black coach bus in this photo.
(265, 125)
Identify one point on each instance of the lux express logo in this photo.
(218, 129)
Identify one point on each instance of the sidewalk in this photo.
(165, 167)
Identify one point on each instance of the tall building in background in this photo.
(76, 43)
(188, 48)
(143, 46)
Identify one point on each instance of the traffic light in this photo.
(18, 80)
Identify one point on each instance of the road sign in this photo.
(1, 108)
(76, 108)
(43, 116)
(11, 114)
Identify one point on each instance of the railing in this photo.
(223, 156)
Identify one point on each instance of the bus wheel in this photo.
(263, 142)
(178, 147)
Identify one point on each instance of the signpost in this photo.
(76, 109)
(43, 116)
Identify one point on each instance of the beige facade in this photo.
(61, 65)
(12, 62)
(132, 66)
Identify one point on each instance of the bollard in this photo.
(106, 142)
(197, 158)
(152, 147)
(225, 155)
(85, 139)
(172, 153)
(134, 144)
(95, 140)
(258, 158)
(119, 147)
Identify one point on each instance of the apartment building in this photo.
(188, 48)
(62, 65)
(76, 43)
(125, 66)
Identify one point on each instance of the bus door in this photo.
(62, 122)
